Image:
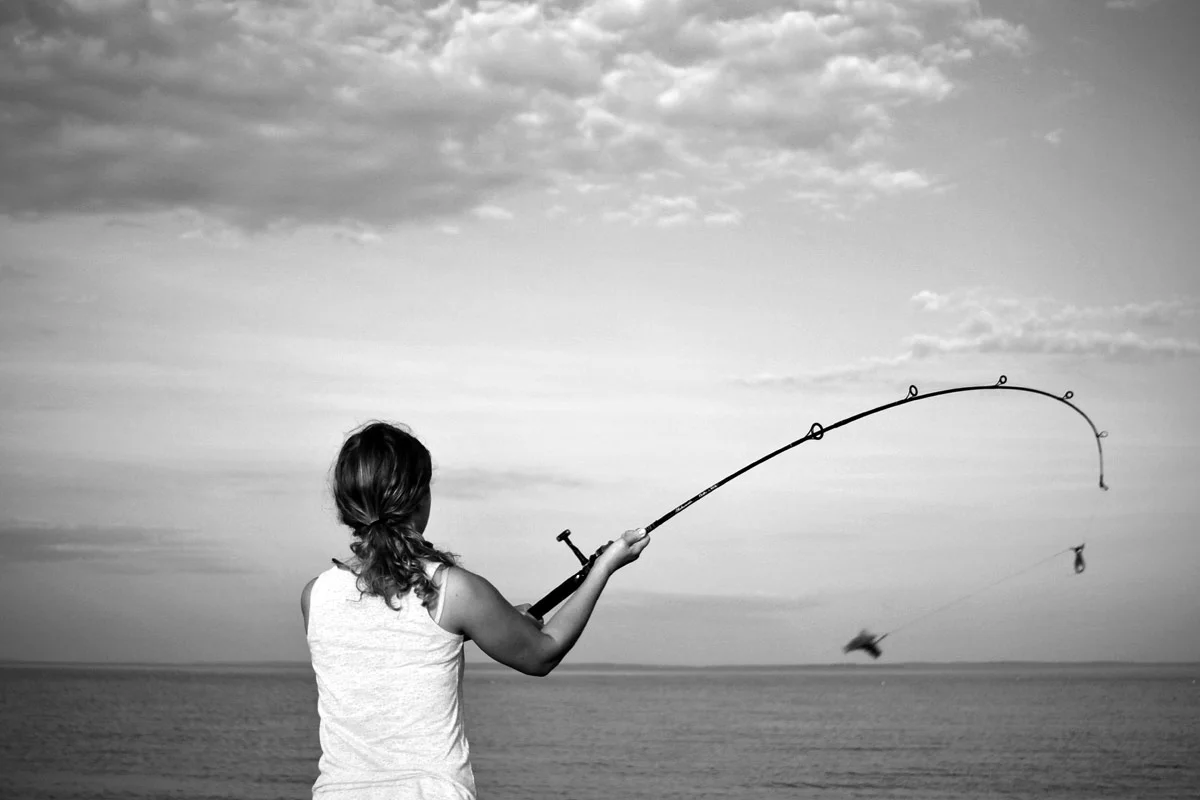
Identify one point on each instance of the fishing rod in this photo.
(815, 433)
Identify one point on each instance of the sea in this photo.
(249, 732)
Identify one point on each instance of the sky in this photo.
(598, 254)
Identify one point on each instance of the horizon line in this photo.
(614, 665)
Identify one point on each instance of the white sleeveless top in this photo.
(389, 694)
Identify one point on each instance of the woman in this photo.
(386, 631)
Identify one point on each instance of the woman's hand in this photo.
(508, 633)
(622, 551)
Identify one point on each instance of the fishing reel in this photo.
(567, 587)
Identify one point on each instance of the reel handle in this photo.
(565, 537)
(567, 587)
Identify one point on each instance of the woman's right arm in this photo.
(474, 608)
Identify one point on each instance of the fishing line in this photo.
(815, 433)
(1079, 565)
(978, 591)
(869, 642)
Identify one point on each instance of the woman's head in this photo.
(383, 471)
(381, 488)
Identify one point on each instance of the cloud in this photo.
(360, 116)
(930, 301)
(976, 322)
(493, 213)
(1129, 5)
(658, 210)
(989, 324)
(842, 374)
(356, 235)
(727, 216)
(1054, 137)
(127, 549)
(753, 605)
(838, 190)
(673, 211)
(1123, 346)
(999, 34)
(126, 223)
(14, 274)
(477, 483)
(1158, 313)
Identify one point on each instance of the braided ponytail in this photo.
(381, 488)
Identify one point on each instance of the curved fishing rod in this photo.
(815, 433)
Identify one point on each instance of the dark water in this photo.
(894, 732)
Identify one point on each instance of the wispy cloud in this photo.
(492, 213)
(478, 483)
(658, 210)
(840, 190)
(999, 34)
(359, 116)
(841, 374)
(982, 323)
(976, 322)
(114, 548)
(1130, 5)
(671, 603)
(14, 274)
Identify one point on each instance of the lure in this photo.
(867, 642)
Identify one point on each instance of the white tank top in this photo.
(389, 694)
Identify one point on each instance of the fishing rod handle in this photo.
(559, 593)
(567, 587)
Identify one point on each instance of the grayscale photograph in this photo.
(599, 399)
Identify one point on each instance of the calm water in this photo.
(887, 732)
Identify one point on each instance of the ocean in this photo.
(928, 732)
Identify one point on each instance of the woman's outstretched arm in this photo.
(474, 608)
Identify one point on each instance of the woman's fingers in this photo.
(635, 535)
(618, 553)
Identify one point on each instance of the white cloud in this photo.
(1119, 346)
(357, 235)
(1158, 313)
(113, 548)
(998, 34)
(997, 324)
(930, 301)
(492, 213)
(660, 210)
(727, 216)
(837, 189)
(362, 115)
(841, 374)
(976, 322)
(1130, 5)
(1032, 326)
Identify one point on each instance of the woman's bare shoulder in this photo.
(305, 599)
